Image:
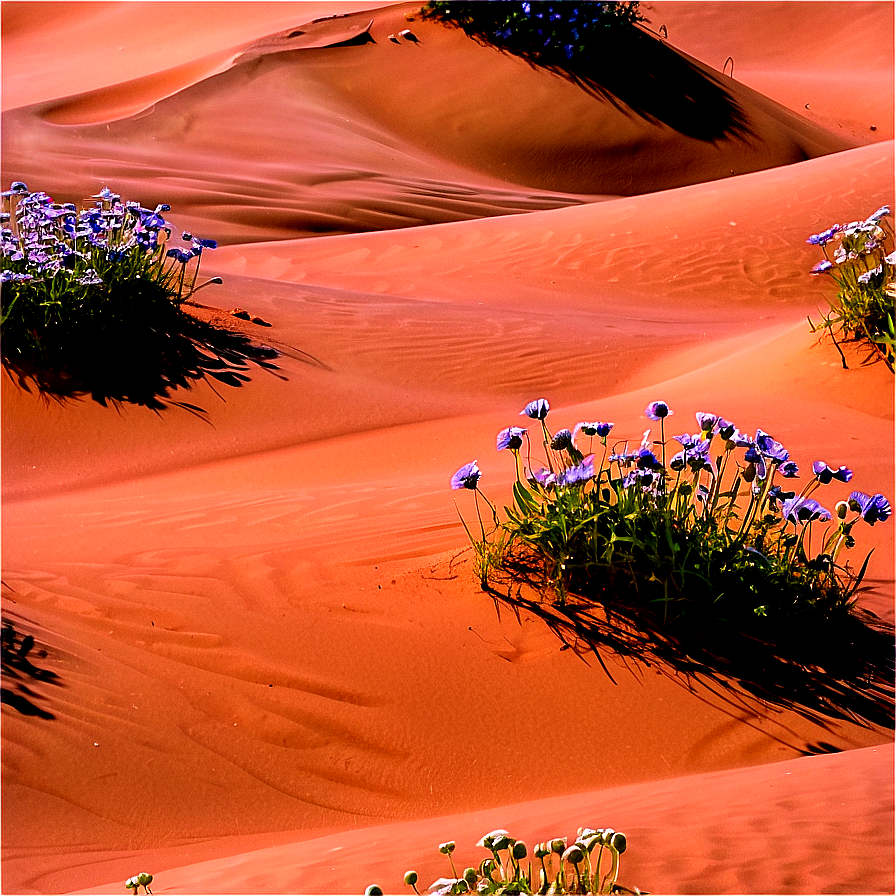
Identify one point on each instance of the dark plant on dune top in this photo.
(861, 260)
(600, 47)
(701, 551)
(93, 302)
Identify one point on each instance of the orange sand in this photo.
(276, 672)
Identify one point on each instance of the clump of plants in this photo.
(589, 865)
(139, 880)
(544, 33)
(705, 531)
(70, 276)
(93, 300)
(861, 260)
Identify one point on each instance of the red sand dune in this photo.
(276, 672)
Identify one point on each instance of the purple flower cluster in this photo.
(41, 239)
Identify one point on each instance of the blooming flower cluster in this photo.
(860, 258)
(722, 485)
(41, 239)
(73, 275)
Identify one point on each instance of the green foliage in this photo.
(859, 257)
(589, 865)
(709, 538)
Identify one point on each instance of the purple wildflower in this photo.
(544, 478)
(511, 438)
(803, 510)
(657, 410)
(824, 473)
(874, 508)
(819, 239)
(821, 267)
(594, 429)
(537, 409)
(467, 476)
(789, 469)
(581, 472)
(706, 421)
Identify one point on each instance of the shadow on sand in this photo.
(822, 670)
(638, 73)
(145, 365)
(21, 675)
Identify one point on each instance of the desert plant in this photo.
(709, 536)
(139, 880)
(589, 865)
(859, 257)
(543, 33)
(74, 280)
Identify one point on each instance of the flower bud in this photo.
(558, 845)
(542, 850)
(410, 878)
(617, 841)
(519, 851)
(574, 854)
(131, 883)
(502, 842)
(749, 474)
(144, 879)
(470, 876)
(373, 890)
(842, 508)
(447, 848)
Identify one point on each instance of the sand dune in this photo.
(263, 661)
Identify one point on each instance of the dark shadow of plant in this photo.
(600, 48)
(21, 675)
(142, 357)
(821, 668)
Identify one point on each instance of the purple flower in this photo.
(643, 478)
(657, 410)
(14, 277)
(821, 267)
(511, 438)
(803, 510)
(706, 421)
(647, 460)
(581, 472)
(824, 473)
(595, 429)
(874, 508)
(882, 212)
(544, 478)
(776, 494)
(537, 409)
(467, 476)
(789, 469)
(819, 239)
(181, 255)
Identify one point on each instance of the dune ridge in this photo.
(262, 662)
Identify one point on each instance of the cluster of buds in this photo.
(139, 880)
(590, 865)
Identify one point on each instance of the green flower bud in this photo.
(144, 879)
(373, 890)
(590, 842)
(470, 876)
(558, 845)
(131, 883)
(502, 842)
(617, 841)
(410, 878)
(447, 848)
(574, 854)
(519, 851)
(842, 508)
(541, 850)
